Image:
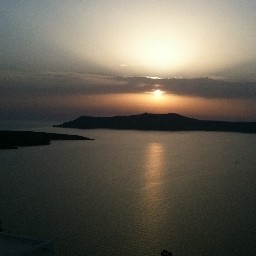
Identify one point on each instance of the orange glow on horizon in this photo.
(136, 103)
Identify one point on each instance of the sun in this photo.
(158, 92)
(160, 53)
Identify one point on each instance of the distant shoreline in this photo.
(15, 139)
(158, 122)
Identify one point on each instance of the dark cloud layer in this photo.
(68, 84)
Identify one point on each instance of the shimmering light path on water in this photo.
(134, 193)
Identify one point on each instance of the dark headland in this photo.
(158, 122)
(15, 139)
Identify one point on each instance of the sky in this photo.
(62, 59)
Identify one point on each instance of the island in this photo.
(15, 139)
(158, 122)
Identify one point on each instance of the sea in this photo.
(134, 193)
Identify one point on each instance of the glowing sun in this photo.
(158, 92)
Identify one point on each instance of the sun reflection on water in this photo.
(154, 162)
(152, 212)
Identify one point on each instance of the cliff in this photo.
(158, 122)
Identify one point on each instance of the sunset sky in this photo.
(60, 59)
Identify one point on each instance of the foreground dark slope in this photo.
(158, 122)
(14, 139)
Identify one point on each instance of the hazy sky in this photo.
(48, 47)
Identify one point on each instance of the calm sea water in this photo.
(134, 193)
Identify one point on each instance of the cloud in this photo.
(195, 87)
(63, 96)
(57, 84)
(212, 89)
(126, 65)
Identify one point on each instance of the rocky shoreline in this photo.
(15, 139)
